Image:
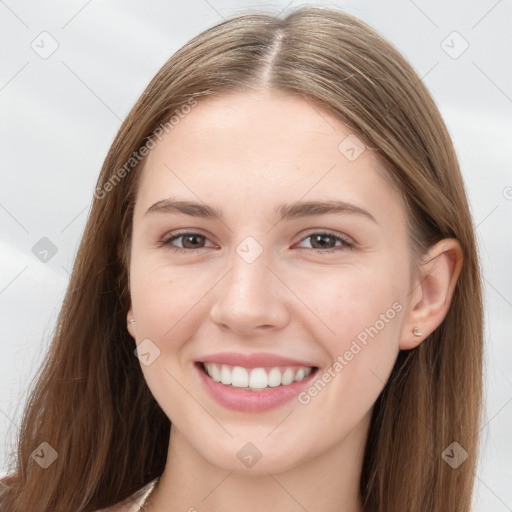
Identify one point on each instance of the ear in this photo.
(130, 323)
(432, 291)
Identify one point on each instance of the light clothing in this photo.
(135, 502)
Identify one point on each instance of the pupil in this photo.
(190, 237)
(318, 238)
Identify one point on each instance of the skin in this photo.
(247, 153)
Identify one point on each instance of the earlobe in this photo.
(130, 322)
(432, 292)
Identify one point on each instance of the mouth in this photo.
(255, 379)
(253, 383)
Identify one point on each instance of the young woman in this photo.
(276, 303)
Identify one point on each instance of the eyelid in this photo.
(328, 232)
(347, 242)
(167, 238)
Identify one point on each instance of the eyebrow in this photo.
(285, 211)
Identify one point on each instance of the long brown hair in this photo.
(91, 403)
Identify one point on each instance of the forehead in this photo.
(252, 150)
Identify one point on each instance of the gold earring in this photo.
(417, 332)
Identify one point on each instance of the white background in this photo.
(60, 114)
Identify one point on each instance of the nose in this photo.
(250, 299)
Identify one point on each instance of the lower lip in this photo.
(239, 399)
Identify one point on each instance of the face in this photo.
(323, 289)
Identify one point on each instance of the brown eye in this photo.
(327, 242)
(189, 242)
(320, 242)
(323, 241)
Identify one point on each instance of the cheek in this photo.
(166, 302)
(351, 301)
(363, 314)
(164, 297)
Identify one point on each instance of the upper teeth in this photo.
(256, 378)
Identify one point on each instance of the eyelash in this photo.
(167, 241)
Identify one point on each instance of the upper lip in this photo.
(256, 360)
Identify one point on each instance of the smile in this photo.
(253, 390)
(256, 379)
